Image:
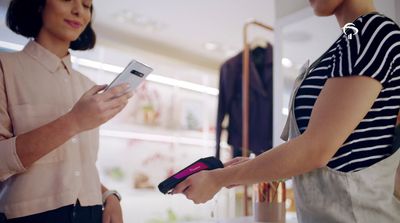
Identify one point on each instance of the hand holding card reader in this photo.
(208, 163)
(133, 74)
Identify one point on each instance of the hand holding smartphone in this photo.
(133, 74)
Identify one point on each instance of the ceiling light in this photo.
(287, 62)
(141, 21)
(210, 46)
(120, 19)
(127, 14)
(231, 51)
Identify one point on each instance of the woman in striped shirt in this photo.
(341, 127)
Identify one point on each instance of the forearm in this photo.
(103, 189)
(292, 158)
(114, 197)
(33, 145)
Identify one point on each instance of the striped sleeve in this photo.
(374, 51)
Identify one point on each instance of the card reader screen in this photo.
(190, 170)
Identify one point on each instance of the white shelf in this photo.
(158, 134)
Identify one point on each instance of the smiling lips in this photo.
(73, 24)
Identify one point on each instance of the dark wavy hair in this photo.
(24, 17)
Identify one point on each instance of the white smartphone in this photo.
(133, 74)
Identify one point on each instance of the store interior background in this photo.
(170, 122)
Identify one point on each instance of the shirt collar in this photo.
(46, 58)
(67, 62)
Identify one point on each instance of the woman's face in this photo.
(66, 19)
(325, 7)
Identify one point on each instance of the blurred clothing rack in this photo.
(245, 95)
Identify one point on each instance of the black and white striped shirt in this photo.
(374, 52)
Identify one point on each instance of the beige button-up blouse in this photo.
(37, 87)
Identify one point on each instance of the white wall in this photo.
(387, 7)
(397, 7)
(287, 7)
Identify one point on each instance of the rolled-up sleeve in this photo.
(10, 163)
